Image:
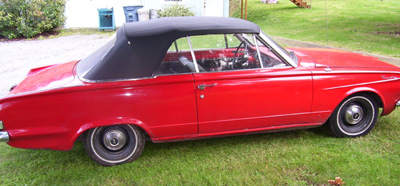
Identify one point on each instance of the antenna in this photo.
(327, 69)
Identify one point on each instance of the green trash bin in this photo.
(106, 18)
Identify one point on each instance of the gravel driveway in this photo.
(18, 57)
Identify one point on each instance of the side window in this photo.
(180, 44)
(224, 52)
(177, 60)
(216, 53)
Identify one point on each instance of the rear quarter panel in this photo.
(162, 106)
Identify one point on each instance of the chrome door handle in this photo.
(203, 86)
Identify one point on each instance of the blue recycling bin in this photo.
(106, 18)
(131, 14)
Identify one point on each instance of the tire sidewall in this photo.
(98, 158)
(335, 118)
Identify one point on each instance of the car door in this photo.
(172, 110)
(249, 95)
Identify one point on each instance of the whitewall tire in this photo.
(355, 116)
(113, 145)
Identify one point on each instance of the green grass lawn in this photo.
(84, 31)
(304, 157)
(363, 25)
(67, 32)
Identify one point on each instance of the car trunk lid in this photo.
(45, 78)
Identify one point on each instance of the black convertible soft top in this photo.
(141, 46)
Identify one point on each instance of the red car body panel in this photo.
(89, 105)
(364, 74)
(339, 58)
(52, 106)
(46, 78)
(264, 98)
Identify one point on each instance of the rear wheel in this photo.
(354, 117)
(113, 145)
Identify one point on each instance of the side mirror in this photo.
(292, 54)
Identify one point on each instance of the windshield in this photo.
(87, 63)
(276, 44)
(283, 52)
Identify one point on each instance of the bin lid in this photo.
(135, 6)
(105, 9)
(132, 8)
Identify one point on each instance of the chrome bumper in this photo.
(398, 104)
(4, 137)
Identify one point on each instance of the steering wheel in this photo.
(235, 57)
(237, 51)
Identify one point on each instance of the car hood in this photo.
(45, 78)
(339, 58)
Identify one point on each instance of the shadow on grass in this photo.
(236, 142)
(30, 159)
(323, 131)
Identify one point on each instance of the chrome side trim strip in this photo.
(355, 72)
(4, 137)
(360, 84)
(112, 80)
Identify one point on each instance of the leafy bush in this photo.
(175, 11)
(27, 18)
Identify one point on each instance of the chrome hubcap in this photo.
(354, 114)
(114, 140)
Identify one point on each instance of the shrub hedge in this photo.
(175, 11)
(28, 18)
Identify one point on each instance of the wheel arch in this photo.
(110, 122)
(360, 91)
(375, 95)
(355, 115)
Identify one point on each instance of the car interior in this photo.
(179, 60)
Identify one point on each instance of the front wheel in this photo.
(113, 145)
(354, 117)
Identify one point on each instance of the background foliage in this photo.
(28, 18)
(370, 26)
(175, 11)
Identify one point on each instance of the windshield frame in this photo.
(287, 56)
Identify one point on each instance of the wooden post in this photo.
(241, 9)
(245, 11)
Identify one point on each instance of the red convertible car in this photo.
(187, 78)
